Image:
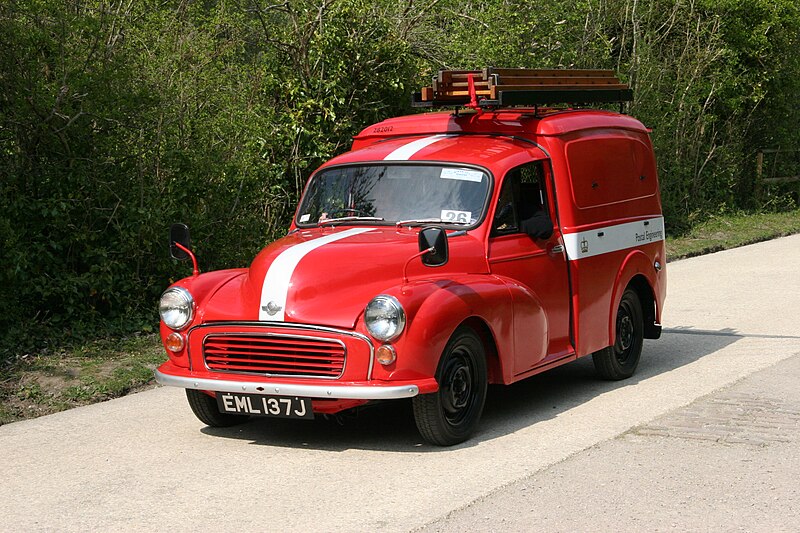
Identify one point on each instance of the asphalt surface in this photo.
(704, 437)
(729, 461)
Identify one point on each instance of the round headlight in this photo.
(385, 318)
(176, 307)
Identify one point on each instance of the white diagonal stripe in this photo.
(407, 151)
(279, 276)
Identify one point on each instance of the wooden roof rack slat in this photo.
(495, 87)
(478, 83)
(446, 75)
(496, 90)
(537, 72)
(547, 80)
(465, 92)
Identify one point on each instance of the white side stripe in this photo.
(407, 151)
(278, 280)
(613, 238)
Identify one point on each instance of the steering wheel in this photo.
(348, 211)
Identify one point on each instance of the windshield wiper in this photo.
(349, 219)
(418, 221)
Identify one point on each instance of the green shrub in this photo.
(119, 118)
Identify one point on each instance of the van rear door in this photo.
(610, 208)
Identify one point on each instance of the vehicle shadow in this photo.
(389, 426)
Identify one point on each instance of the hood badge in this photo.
(271, 308)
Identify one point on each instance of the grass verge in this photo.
(43, 383)
(730, 231)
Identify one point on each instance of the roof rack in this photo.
(504, 87)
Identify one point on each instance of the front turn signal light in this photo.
(385, 354)
(174, 342)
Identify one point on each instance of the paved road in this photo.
(729, 461)
(561, 450)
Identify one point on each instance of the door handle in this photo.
(557, 249)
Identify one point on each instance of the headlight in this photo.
(176, 307)
(385, 318)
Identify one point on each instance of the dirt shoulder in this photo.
(50, 381)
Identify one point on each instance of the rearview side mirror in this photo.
(179, 233)
(433, 239)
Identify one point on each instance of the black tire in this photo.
(620, 360)
(205, 408)
(450, 415)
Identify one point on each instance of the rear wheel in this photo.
(620, 360)
(205, 408)
(451, 414)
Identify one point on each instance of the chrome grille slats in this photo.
(274, 354)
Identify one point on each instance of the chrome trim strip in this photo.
(290, 325)
(280, 336)
(349, 392)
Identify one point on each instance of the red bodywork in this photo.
(536, 303)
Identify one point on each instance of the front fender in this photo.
(202, 288)
(435, 308)
(206, 285)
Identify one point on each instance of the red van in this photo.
(443, 252)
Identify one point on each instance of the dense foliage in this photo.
(118, 117)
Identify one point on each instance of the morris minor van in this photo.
(444, 252)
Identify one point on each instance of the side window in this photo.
(521, 206)
(505, 216)
(531, 190)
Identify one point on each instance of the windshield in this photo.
(395, 193)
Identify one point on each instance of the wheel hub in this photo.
(625, 332)
(457, 389)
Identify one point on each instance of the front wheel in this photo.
(205, 409)
(450, 415)
(620, 360)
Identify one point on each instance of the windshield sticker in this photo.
(449, 215)
(305, 218)
(461, 174)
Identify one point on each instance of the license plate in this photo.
(261, 405)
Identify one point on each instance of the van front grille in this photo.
(275, 355)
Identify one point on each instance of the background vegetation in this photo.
(119, 117)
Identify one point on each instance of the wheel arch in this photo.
(435, 310)
(494, 366)
(647, 300)
(637, 273)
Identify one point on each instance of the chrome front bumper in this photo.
(345, 392)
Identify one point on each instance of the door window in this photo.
(521, 206)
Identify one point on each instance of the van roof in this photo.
(486, 151)
(517, 121)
